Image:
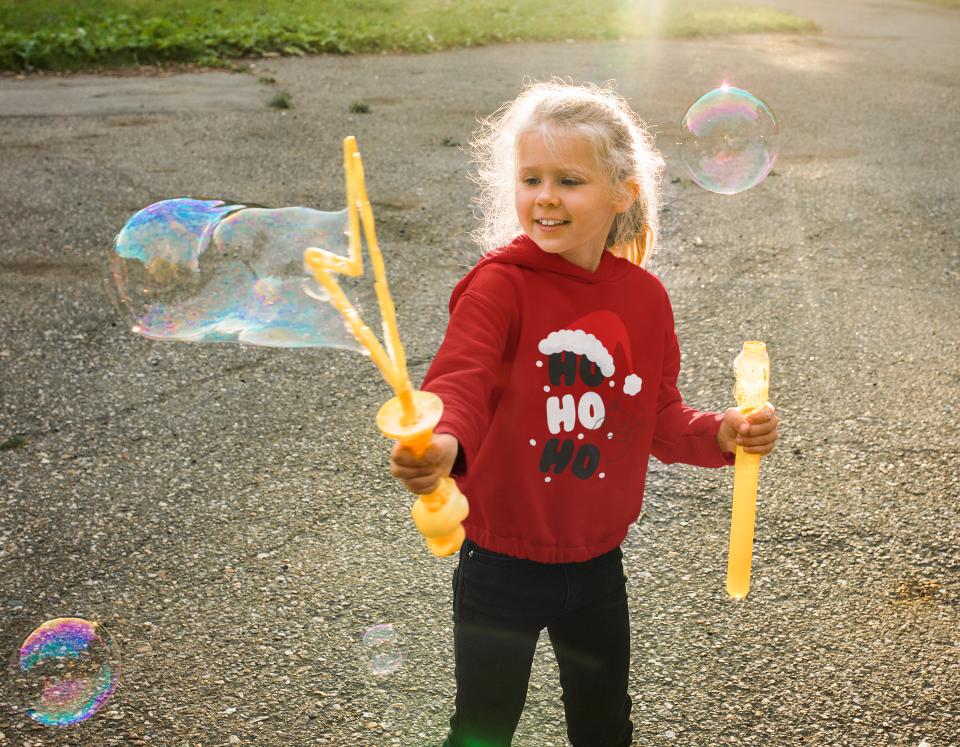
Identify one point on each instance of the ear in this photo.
(626, 195)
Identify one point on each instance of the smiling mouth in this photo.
(550, 223)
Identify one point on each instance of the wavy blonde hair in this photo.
(621, 144)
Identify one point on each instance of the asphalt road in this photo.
(226, 511)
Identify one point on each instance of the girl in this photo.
(558, 375)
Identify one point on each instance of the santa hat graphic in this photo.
(597, 336)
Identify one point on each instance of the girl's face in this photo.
(565, 202)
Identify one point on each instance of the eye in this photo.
(570, 181)
(530, 181)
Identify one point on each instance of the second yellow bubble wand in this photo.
(752, 368)
(411, 415)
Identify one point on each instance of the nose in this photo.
(547, 196)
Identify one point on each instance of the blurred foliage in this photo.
(281, 100)
(13, 442)
(78, 34)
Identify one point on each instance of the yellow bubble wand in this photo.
(752, 367)
(411, 415)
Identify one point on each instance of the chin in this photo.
(548, 246)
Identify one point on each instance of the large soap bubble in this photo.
(66, 670)
(209, 271)
(729, 140)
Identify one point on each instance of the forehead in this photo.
(555, 150)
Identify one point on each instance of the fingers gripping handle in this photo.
(438, 515)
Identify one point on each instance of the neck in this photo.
(589, 262)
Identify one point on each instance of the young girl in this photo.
(558, 376)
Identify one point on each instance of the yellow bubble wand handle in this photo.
(751, 391)
(411, 415)
(439, 514)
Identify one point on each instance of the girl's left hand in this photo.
(756, 432)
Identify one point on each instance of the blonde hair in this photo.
(622, 146)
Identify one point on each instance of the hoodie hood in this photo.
(524, 252)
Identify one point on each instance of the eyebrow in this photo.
(562, 173)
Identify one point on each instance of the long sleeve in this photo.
(469, 370)
(682, 433)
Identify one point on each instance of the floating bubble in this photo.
(66, 670)
(394, 717)
(210, 271)
(382, 654)
(729, 140)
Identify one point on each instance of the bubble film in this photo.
(66, 670)
(394, 716)
(729, 140)
(382, 654)
(211, 271)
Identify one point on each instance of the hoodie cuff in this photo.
(459, 468)
(727, 457)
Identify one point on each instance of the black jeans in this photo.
(500, 605)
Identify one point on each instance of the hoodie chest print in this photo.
(587, 367)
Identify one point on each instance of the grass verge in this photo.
(83, 34)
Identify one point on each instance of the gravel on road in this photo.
(227, 512)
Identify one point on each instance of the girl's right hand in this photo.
(421, 473)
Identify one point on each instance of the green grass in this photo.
(13, 442)
(83, 34)
(281, 100)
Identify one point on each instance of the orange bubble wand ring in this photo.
(752, 367)
(411, 415)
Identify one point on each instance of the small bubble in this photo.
(382, 651)
(66, 670)
(394, 716)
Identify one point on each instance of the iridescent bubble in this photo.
(66, 670)
(729, 140)
(210, 271)
(394, 717)
(382, 654)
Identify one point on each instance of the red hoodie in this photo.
(558, 383)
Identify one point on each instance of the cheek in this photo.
(522, 202)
